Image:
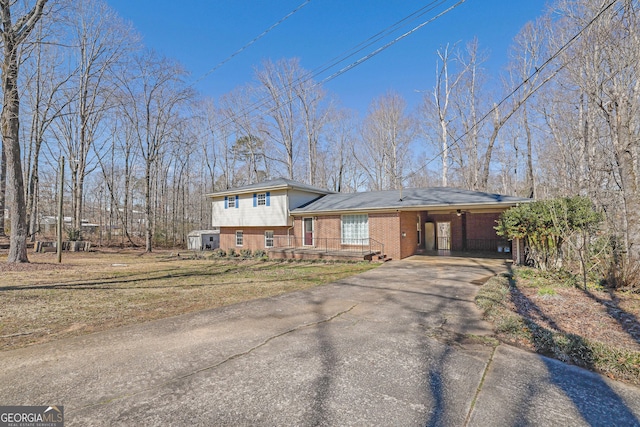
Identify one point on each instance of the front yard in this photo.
(43, 301)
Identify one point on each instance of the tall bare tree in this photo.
(14, 31)
(44, 85)
(155, 93)
(387, 135)
(101, 39)
(277, 97)
(437, 106)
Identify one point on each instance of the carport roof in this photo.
(408, 199)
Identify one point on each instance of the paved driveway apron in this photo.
(400, 345)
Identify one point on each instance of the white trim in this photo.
(304, 232)
(272, 238)
(349, 242)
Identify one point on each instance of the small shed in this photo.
(204, 240)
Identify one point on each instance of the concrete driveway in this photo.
(401, 345)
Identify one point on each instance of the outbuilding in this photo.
(204, 240)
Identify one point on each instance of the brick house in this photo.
(288, 218)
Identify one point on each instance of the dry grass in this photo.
(598, 329)
(42, 301)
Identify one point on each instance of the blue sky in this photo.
(201, 34)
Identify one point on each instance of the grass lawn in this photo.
(94, 291)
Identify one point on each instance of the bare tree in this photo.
(468, 100)
(101, 39)
(314, 117)
(44, 83)
(387, 134)
(339, 169)
(155, 93)
(277, 97)
(436, 107)
(246, 159)
(14, 34)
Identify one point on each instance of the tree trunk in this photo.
(11, 143)
(531, 186)
(147, 208)
(3, 188)
(622, 141)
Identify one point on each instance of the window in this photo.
(355, 229)
(268, 239)
(231, 201)
(261, 199)
(239, 238)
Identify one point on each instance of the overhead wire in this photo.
(255, 39)
(349, 53)
(391, 43)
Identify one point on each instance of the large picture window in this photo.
(355, 229)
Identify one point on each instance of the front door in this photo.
(307, 225)
(429, 236)
(444, 236)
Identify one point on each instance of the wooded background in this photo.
(143, 147)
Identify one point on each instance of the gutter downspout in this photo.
(288, 236)
(293, 223)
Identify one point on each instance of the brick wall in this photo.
(385, 228)
(253, 237)
(408, 234)
(480, 225)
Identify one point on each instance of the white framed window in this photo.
(354, 229)
(231, 201)
(262, 199)
(239, 238)
(268, 239)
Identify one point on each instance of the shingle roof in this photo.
(435, 197)
(273, 184)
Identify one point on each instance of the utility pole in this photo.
(60, 213)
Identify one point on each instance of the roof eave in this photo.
(473, 206)
(266, 188)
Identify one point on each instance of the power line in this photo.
(255, 39)
(319, 70)
(391, 43)
(537, 70)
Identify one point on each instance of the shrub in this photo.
(219, 253)
(625, 275)
(259, 253)
(74, 235)
(232, 253)
(246, 253)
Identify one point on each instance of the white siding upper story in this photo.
(245, 211)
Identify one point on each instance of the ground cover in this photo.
(551, 314)
(93, 291)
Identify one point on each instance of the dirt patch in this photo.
(599, 315)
